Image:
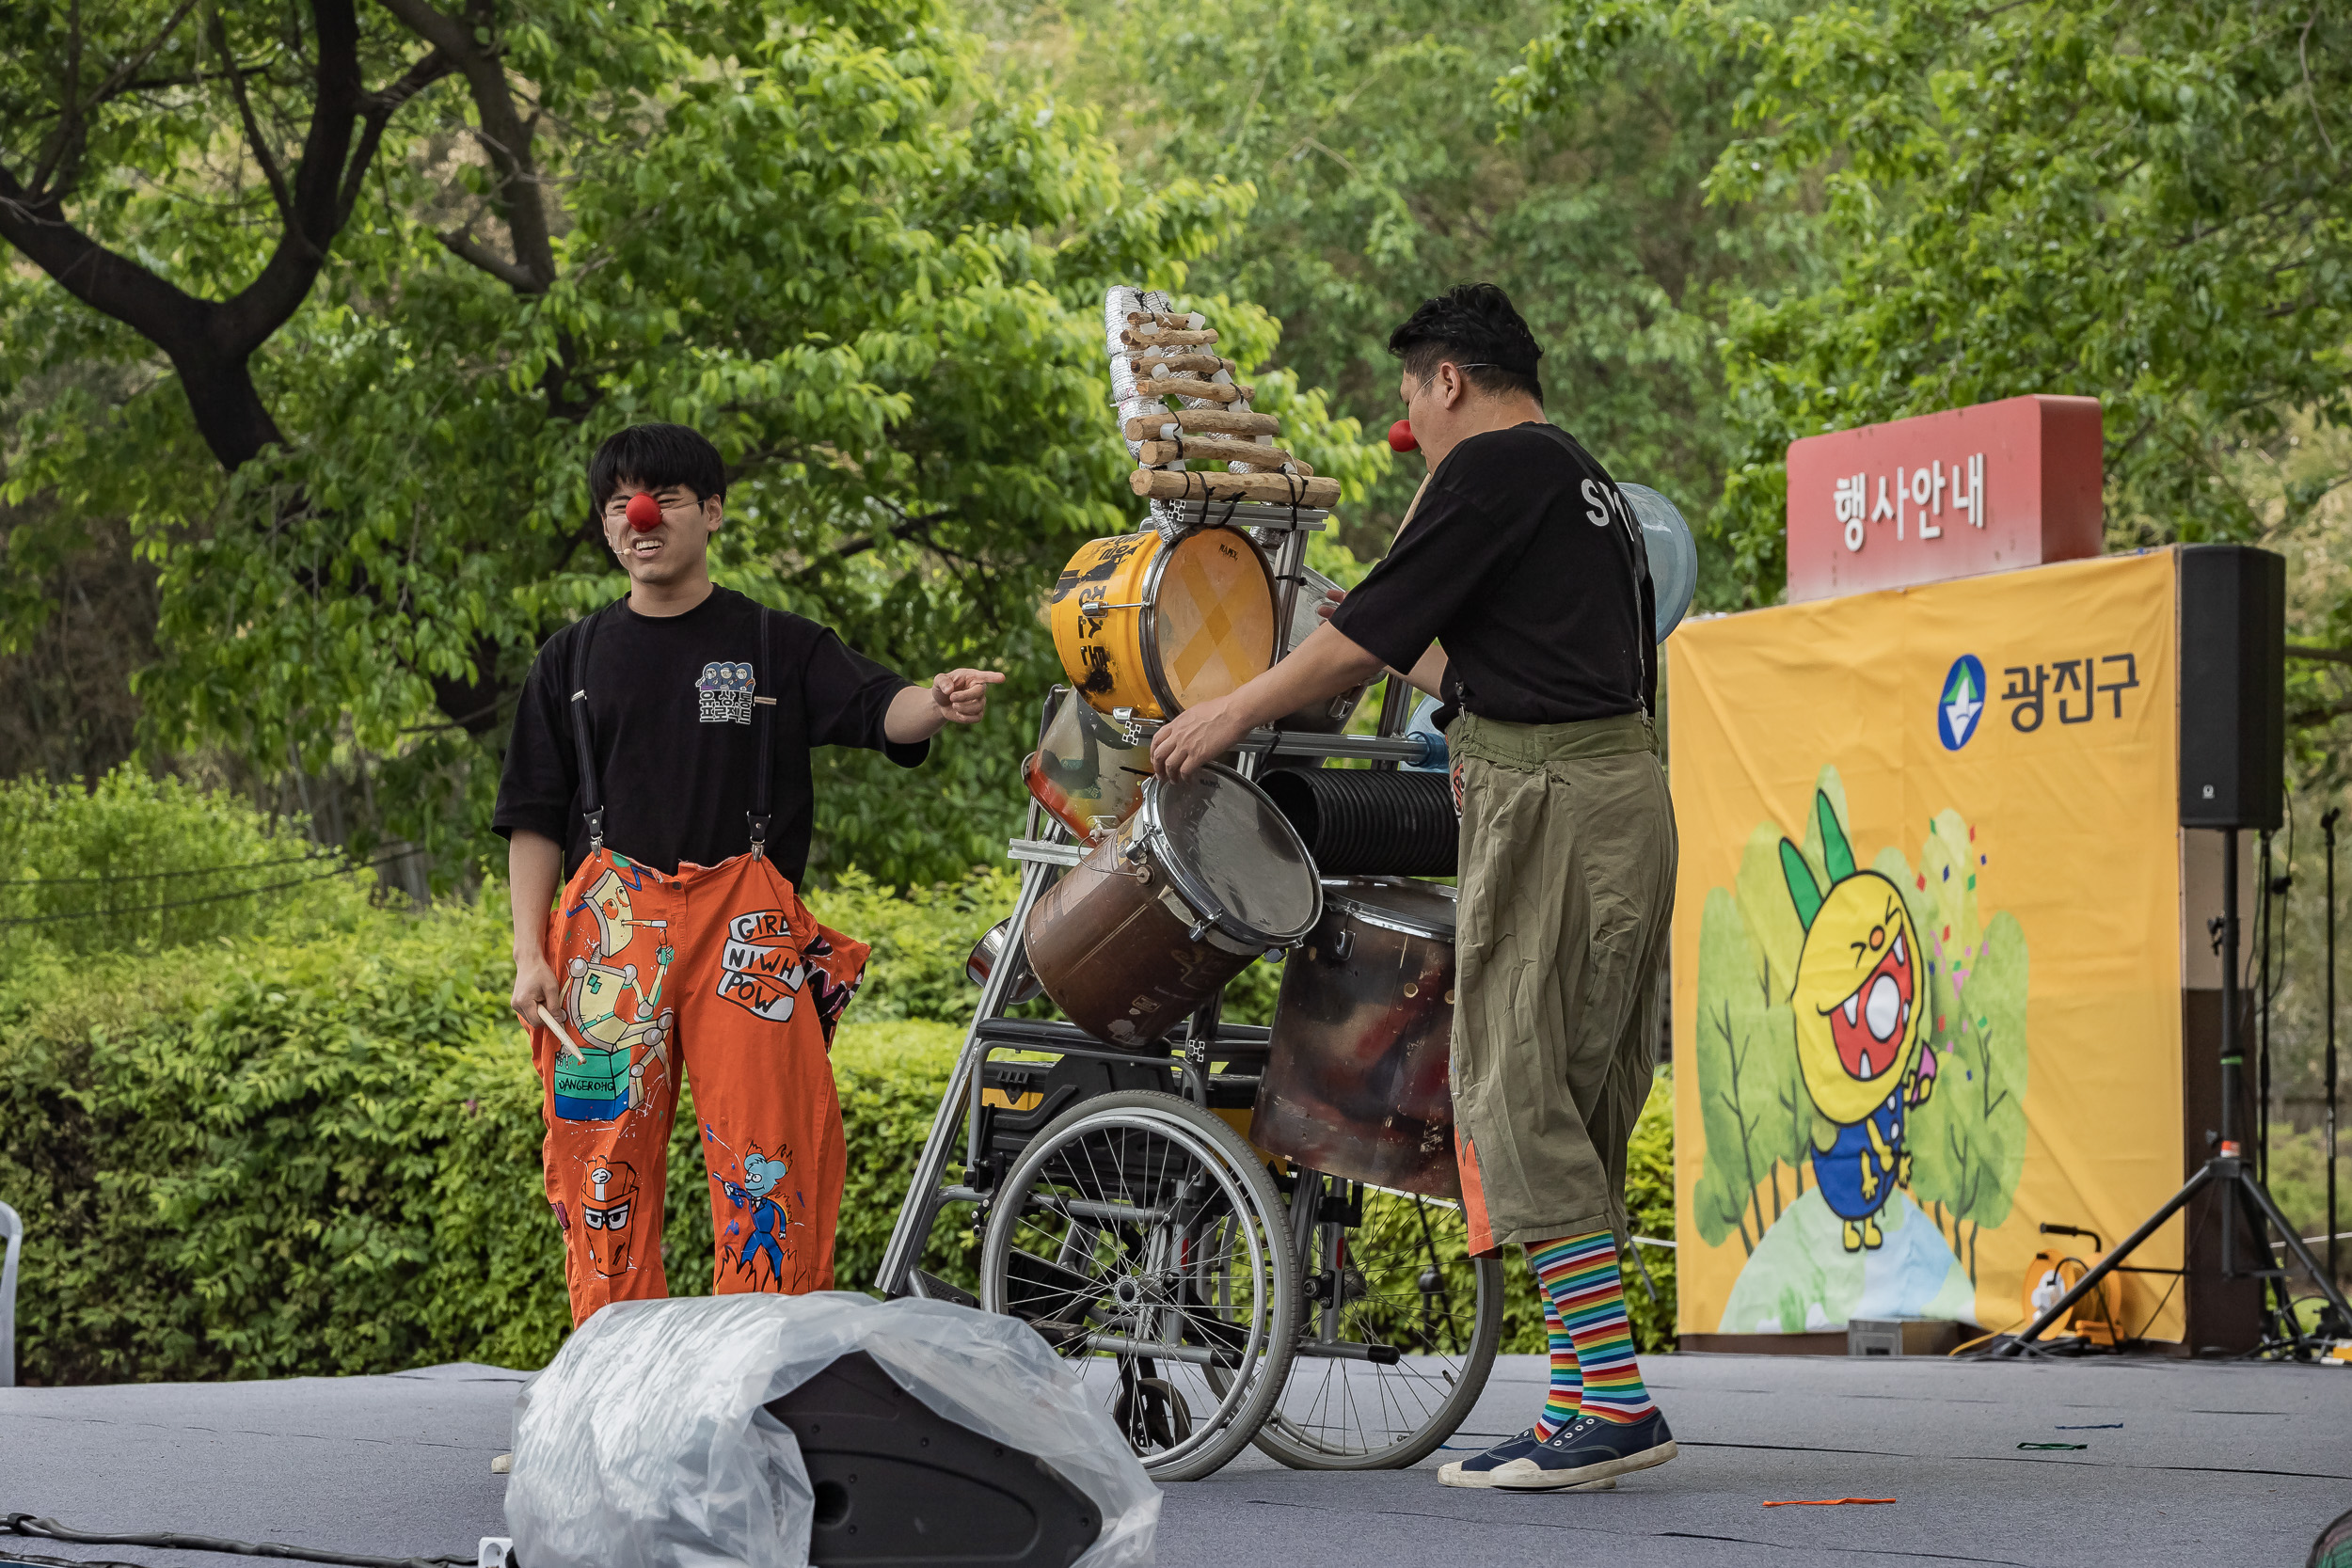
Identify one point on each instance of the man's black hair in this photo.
(654, 456)
(1471, 324)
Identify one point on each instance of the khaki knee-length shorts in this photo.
(1567, 884)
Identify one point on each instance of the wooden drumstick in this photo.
(1210, 449)
(1134, 339)
(1276, 489)
(557, 1024)
(1184, 386)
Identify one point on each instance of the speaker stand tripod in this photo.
(2227, 1170)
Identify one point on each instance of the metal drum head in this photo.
(1417, 908)
(1213, 616)
(1673, 556)
(1234, 857)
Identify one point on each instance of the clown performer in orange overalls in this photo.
(658, 805)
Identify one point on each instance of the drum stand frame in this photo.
(929, 1192)
(1044, 852)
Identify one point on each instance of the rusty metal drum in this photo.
(1203, 879)
(1356, 1085)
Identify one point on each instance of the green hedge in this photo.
(316, 1151)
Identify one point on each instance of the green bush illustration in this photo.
(1967, 1139)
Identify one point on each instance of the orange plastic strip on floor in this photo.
(1825, 1502)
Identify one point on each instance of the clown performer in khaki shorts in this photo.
(1518, 594)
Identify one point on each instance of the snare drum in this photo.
(1356, 1083)
(1201, 879)
(1157, 627)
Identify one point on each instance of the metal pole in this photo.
(2328, 830)
(2233, 1064)
(2265, 930)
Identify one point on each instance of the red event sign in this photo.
(1977, 489)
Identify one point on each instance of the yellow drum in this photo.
(1157, 627)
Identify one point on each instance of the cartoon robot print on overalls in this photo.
(1861, 1030)
(621, 1027)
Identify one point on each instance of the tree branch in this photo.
(219, 31)
(467, 248)
(502, 134)
(381, 107)
(209, 342)
(61, 168)
(245, 321)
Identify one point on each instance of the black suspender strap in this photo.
(763, 724)
(1645, 587)
(591, 793)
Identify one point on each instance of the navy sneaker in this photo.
(1480, 1469)
(1587, 1449)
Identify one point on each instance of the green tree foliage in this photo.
(132, 867)
(1370, 133)
(2147, 204)
(334, 303)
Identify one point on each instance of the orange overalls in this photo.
(724, 968)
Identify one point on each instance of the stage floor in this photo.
(2213, 1464)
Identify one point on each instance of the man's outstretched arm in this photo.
(920, 712)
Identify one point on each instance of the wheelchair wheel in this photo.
(1142, 1238)
(1397, 1334)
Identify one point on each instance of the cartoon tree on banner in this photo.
(1751, 1105)
(1969, 1138)
(1745, 1078)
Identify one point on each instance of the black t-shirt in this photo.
(1526, 562)
(670, 704)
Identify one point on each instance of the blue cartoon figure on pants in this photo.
(770, 1220)
(1860, 1028)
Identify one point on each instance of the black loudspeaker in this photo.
(899, 1484)
(2233, 700)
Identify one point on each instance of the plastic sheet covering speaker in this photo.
(1673, 556)
(1357, 822)
(648, 1443)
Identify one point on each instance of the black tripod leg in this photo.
(2262, 1203)
(2089, 1282)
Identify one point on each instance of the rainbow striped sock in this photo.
(1566, 1395)
(1579, 1275)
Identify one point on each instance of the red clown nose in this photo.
(644, 513)
(1401, 436)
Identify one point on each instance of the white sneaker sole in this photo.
(1484, 1480)
(1523, 1475)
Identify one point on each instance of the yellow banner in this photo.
(1927, 949)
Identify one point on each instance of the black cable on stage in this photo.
(344, 870)
(49, 1529)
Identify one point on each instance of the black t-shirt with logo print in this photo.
(1524, 560)
(670, 712)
